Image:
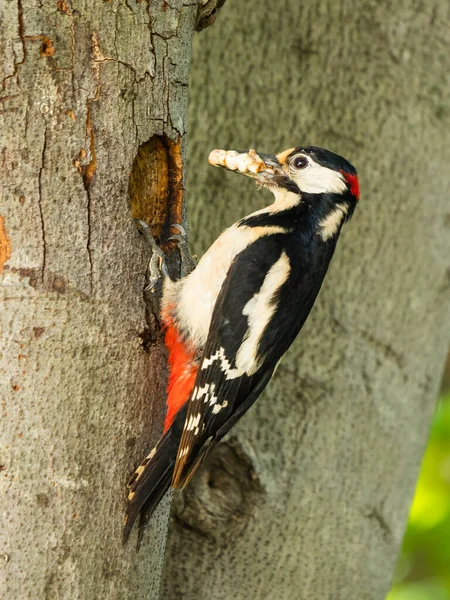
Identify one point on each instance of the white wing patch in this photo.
(259, 310)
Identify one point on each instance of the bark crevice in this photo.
(40, 205)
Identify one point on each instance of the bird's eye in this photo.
(300, 162)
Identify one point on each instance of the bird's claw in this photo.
(181, 238)
(156, 268)
(141, 225)
(180, 228)
(177, 238)
(151, 285)
(157, 264)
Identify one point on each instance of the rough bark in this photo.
(91, 93)
(310, 499)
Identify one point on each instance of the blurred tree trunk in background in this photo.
(90, 93)
(446, 378)
(310, 499)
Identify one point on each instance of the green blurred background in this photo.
(423, 568)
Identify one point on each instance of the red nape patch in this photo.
(183, 371)
(353, 183)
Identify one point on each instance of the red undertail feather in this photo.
(183, 370)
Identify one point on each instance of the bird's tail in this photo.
(150, 482)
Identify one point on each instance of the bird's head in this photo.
(306, 174)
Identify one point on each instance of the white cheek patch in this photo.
(316, 179)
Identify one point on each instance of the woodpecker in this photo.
(231, 319)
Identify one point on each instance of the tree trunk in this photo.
(309, 497)
(94, 105)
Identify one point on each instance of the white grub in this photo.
(245, 162)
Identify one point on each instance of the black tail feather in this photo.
(150, 506)
(149, 484)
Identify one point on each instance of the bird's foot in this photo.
(188, 262)
(157, 268)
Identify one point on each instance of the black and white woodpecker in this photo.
(229, 322)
